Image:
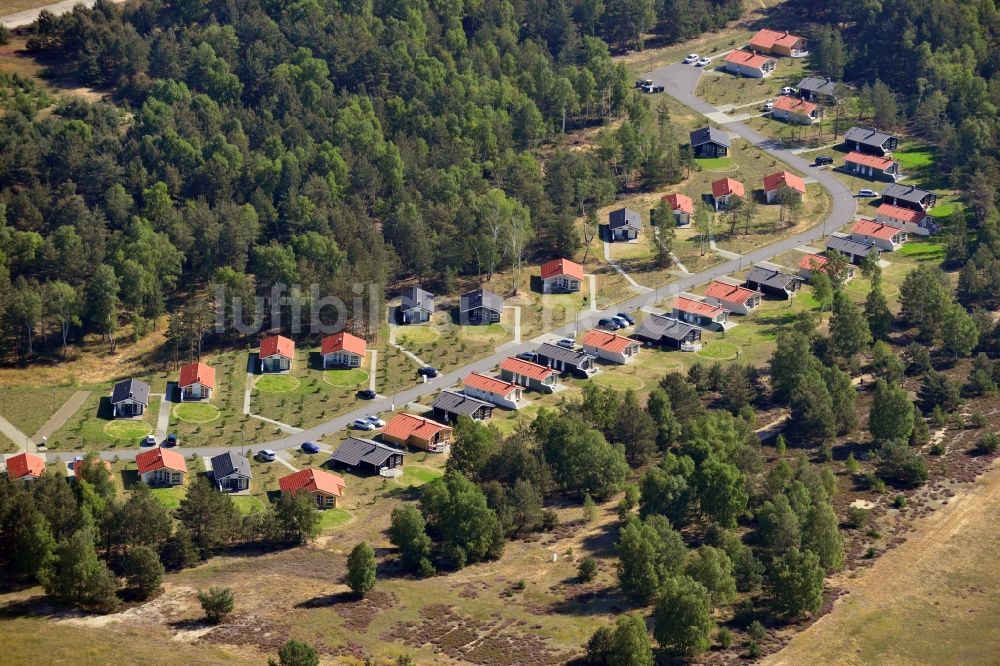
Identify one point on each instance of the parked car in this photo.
(692, 57)
(428, 371)
(642, 83)
(171, 440)
(627, 317)
(567, 343)
(266, 455)
(366, 394)
(362, 424)
(310, 447)
(865, 192)
(788, 91)
(621, 322)
(609, 324)
(823, 159)
(528, 356)
(702, 62)
(767, 106)
(149, 440)
(375, 420)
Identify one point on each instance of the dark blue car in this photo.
(310, 447)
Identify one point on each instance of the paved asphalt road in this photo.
(679, 81)
(28, 16)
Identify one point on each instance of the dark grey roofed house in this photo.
(869, 141)
(415, 305)
(709, 142)
(130, 397)
(855, 250)
(574, 361)
(772, 281)
(449, 405)
(480, 306)
(231, 471)
(814, 87)
(624, 224)
(666, 331)
(368, 455)
(908, 196)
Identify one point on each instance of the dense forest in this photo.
(256, 143)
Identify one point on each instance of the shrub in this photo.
(724, 637)
(938, 449)
(757, 631)
(870, 552)
(754, 650)
(295, 653)
(587, 569)
(978, 420)
(988, 443)
(899, 501)
(852, 464)
(217, 602)
(857, 517)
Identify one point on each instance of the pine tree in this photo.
(849, 333)
(75, 576)
(891, 416)
(877, 313)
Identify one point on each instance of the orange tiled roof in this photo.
(25, 464)
(746, 58)
(685, 304)
(767, 39)
(901, 214)
(606, 340)
(872, 161)
(875, 229)
(343, 342)
(526, 368)
(489, 384)
(724, 186)
(197, 373)
(160, 458)
(277, 344)
(402, 426)
(312, 480)
(729, 292)
(794, 105)
(680, 202)
(562, 267)
(811, 262)
(786, 179)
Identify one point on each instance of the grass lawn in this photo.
(351, 378)
(415, 476)
(276, 383)
(331, 518)
(248, 503)
(170, 498)
(718, 350)
(420, 335)
(492, 331)
(617, 381)
(453, 347)
(196, 412)
(128, 430)
(716, 164)
(922, 250)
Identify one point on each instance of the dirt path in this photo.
(62, 415)
(934, 599)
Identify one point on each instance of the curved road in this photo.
(679, 81)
